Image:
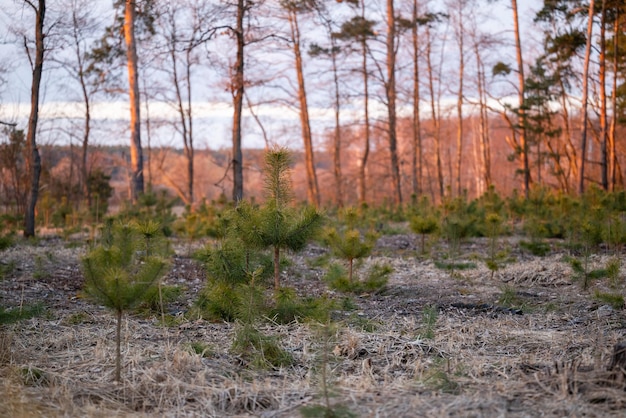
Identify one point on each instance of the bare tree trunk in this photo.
(604, 160)
(612, 145)
(583, 144)
(31, 136)
(459, 104)
(521, 99)
(136, 157)
(435, 116)
(416, 160)
(366, 145)
(184, 113)
(84, 175)
(238, 96)
(485, 147)
(337, 138)
(391, 102)
(312, 187)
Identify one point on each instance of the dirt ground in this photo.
(527, 342)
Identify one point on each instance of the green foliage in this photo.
(259, 351)
(430, 314)
(276, 224)
(538, 248)
(615, 300)
(230, 262)
(325, 333)
(120, 272)
(454, 265)
(155, 206)
(582, 271)
(493, 223)
(157, 295)
(33, 376)
(200, 348)
(6, 268)
(424, 224)
(289, 307)
(348, 243)
(8, 316)
(613, 271)
(509, 297)
(375, 280)
(217, 302)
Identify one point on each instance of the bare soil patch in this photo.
(543, 353)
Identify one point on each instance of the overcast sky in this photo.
(212, 119)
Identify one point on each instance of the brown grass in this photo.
(550, 361)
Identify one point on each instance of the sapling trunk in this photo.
(351, 262)
(118, 343)
(276, 268)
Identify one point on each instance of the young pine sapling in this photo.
(119, 273)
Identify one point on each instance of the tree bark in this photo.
(612, 129)
(312, 187)
(366, 146)
(238, 95)
(604, 159)
(459, 103)
(585, 100)
(391, 102)
(521, 99)
(485, 148)
(435, 116)
(416, 155)
(136, 157)
(31, 136)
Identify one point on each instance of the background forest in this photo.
(379, 101)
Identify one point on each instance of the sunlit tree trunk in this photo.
(485, 148)
(585, 92)
(312, 186)
(416, 155)
(604, 159)
(459, 103)
(391, 102)
(136, 157)
(435, 116)
(520, 94)
(238, 96)
(34, 162)
(612, 129)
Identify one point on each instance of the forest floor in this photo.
(527, 342)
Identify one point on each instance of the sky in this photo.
(212, 121)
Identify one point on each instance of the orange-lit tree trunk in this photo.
(312, 186)
(416, 155)
(612, 129)
(34, 162)
(485, 147)
(434, 113)
(604, 146)
(459, 28)
(585, 99)
(238, 95)
(136, 157)
(520, 96)
(390, 90)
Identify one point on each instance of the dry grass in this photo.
(550, 361)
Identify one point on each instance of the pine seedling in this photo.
(277, 224)
(120, 273)
(494, 224)
(425, 222)
(349, 244)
